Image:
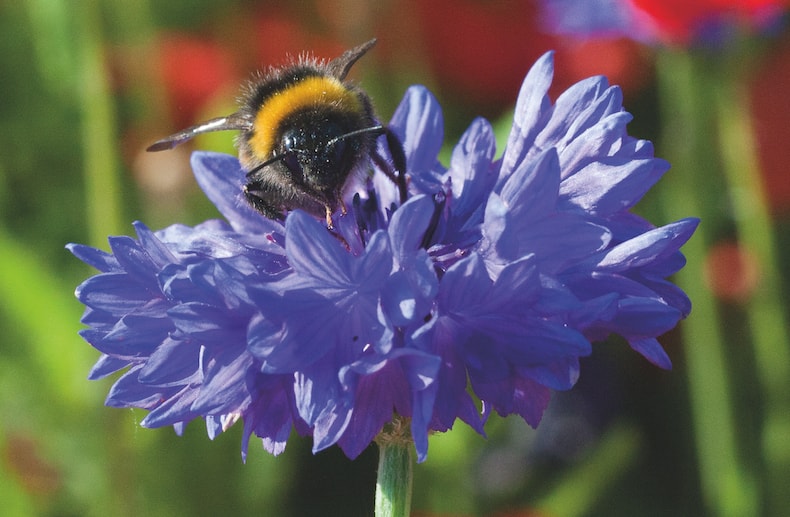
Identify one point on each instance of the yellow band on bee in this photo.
(309, 92)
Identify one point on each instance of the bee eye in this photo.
(291, 161)
(337, 150)
(291, 141)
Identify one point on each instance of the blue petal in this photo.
(532, 108)
(452, 399)
(106, 365)
(516, 395)
(269, 416)
(211, 282)
(380, 386)
(225, 386)
(134, 261)
(206, 322)
(613, 185)
(462, 285)
(595, 143)
(531, 190)
(174, 409)
(649, 247)
(652, 350)
(561, 374)
(580, 108)
(289, 343)
(645, 317)
(313, 252)
(419, 124)
(173, 362)
(408, 226)
(408, 294)
(131, 337)
(375, 398)
(222, 179)
(128, 392)
(323, 405)
(154, 248)
(96, 258)
(471, 168)
(113, 292)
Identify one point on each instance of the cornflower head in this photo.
(478, 291)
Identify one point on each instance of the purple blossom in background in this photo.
(595, 18)
(489, 283)
(709, 23)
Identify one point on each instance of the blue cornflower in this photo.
(489, 282)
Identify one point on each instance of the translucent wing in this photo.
(234, 122)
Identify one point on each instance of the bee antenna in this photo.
(287, 155)
(268, 162)
(377, 130)
(340, 66)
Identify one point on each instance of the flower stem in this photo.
(99, 135)
(577, 492)
(396, 472)
(694, 186)
(767, 323)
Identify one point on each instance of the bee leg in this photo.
(396, 150)
(398, 163)
(253, 192)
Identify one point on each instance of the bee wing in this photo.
(340, 66)
(236, 121)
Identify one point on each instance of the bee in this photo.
(305, 132)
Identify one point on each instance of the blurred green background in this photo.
(86, 86)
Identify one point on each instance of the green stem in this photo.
(585, 485)
(694, 187)
(53, 44)
(764, 311)
(100, 142)
(396, 471)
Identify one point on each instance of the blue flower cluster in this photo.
(488, 283)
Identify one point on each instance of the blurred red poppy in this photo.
(731, 272)
(193, 70)
(682, 20)
(480, 51)
(771, 111)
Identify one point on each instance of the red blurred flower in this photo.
(731, 272)
(193, 70)
(282, 36)
(480, 50)
(771, 112)
(623, 61)
(23, 458)
(683, 20)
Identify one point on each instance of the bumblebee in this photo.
(305, 132)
